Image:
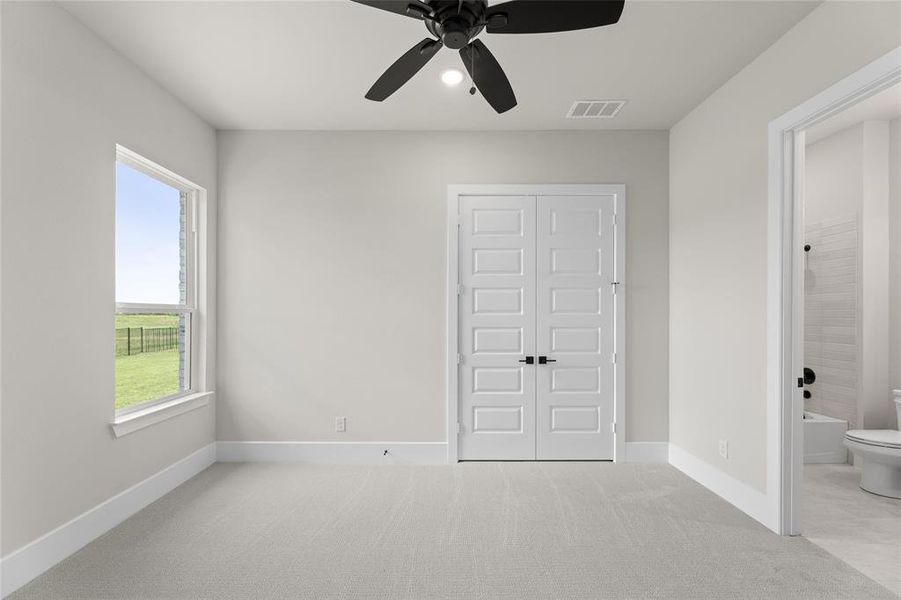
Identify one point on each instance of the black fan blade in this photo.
(488, 76)
(545, 16)
(403, 69)
(408, 8)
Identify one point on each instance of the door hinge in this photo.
(459, 359)
(614, 219)
(613, 427)
(459, 428)
(613, 358)
(459, 289)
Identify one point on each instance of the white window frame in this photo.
(126, 419)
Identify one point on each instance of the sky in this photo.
(148, 214)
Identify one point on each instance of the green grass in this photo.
(144, 377)
(147, 376)
(146, 321)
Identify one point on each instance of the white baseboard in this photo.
(412, 453)
(29, 561)
(647, 452)
(351, 453)
(747, 499)
(830, 458)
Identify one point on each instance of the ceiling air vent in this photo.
(595, 109)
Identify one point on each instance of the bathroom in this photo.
(851, 187)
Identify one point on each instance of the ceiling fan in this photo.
(456, 23)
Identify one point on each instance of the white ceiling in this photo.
(884, 106)
(307, 64)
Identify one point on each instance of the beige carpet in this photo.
(478, 530)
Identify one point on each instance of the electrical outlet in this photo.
(340, 424)
(724, 448)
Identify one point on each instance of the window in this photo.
(155, 283)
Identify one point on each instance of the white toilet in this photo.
(880, 452)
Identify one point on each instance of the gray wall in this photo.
(895, 203)
(332, 273)
(65, 106)
(833, 175)
(875, 406)
(718, 230)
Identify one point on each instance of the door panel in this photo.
(575, 320)
(497, 327)
(536, 276)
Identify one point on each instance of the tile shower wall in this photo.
(831, 327)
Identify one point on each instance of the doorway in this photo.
(787, 260)
(535, 322)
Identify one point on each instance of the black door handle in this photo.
(809, 376)
(543, 360)
(529, 360)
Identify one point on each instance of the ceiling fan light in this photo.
(452, 77)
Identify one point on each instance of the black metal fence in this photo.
(136, 340)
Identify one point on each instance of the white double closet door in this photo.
(536, 317)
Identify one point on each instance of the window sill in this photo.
(139, 419)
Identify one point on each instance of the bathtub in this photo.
(824, 439)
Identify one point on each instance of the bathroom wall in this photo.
(895, 260)
(875, 409)
(834, 186)
(847, 275)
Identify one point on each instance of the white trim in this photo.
(29, 561)
(827, 458)
(453, 281)
(620, 453)
(135, 308)
(749, 500)
(784, 352)
(452, 372)
(335, 453)
(647, 452)
(418, 453)
(155, 170)
(158, 412)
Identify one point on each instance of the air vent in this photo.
(595, 109)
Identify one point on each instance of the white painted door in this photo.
(575, 328)
(497, 327)
(536, 276)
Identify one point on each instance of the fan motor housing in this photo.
(454, 33)
(456, 23)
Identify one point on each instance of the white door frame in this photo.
(453, 282)
(785, 352)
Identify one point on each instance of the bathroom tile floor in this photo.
(860, 528)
